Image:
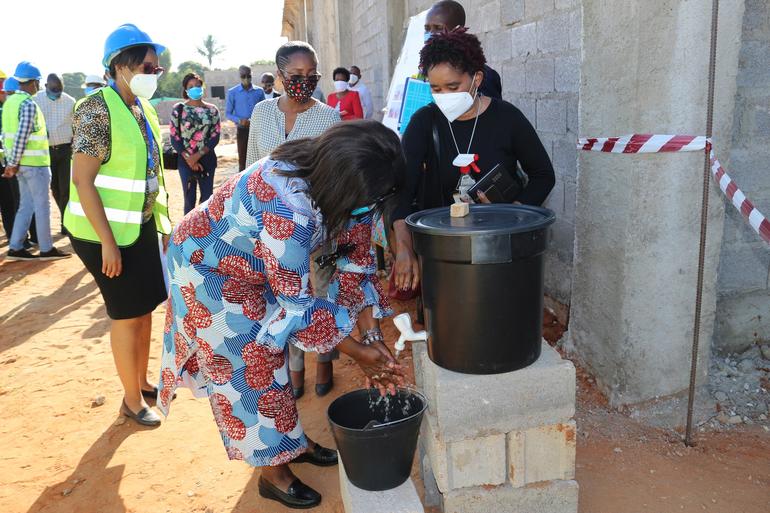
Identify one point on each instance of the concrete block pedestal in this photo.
(403, 499)
(501, 442)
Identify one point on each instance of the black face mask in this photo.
(299, 88)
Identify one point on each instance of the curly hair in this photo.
(457, 47)
(341, 71)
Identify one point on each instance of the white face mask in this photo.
(454, 105)
(340, 85)
(354, 80)
(143, 86)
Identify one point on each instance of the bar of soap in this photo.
(459, 210)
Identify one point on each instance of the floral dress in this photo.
(191, 128)
(240, 293)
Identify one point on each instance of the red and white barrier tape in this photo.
(656, 143)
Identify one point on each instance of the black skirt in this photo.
(140, 288)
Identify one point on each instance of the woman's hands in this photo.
(112, 264)
(380, 368)
(192, 161)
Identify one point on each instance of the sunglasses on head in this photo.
(150, 69)
(377, 203)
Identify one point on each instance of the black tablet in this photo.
(499, 185)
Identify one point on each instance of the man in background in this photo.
(58, 107)
(26, 142)
(447, 15)
(268, 82)
(241, 100)
(363, 91)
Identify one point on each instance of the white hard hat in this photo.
(93, 79)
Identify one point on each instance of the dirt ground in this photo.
(62, 453)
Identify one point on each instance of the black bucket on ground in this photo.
(482, 285)
(376, 437)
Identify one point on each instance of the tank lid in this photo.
(494, 219)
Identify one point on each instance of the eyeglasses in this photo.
(379, 201)
(149, 69)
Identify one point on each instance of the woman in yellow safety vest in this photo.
(118, 204)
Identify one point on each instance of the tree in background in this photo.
(170, 83)
(210, 48)
(262, 63)
(73, 83)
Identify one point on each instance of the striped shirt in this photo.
(58, 117)
(268, 127)
(27, 115)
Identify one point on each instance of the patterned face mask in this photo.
(299, 87)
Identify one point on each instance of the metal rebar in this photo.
(703, 221)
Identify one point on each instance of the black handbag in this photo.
(170, 156)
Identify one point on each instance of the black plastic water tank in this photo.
(482, 285)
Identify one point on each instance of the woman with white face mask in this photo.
(118, 204)
(452, 143)
(345, 101)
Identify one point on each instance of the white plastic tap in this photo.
(404, 324)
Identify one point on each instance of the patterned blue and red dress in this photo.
(240, 293)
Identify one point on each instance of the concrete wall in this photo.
(637, 236)
(743, 305)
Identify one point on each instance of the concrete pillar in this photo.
(644, 70)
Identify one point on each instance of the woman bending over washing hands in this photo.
(461, 123)
(240, 292)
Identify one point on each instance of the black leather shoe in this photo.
(153, 394)
(321, 389)
(298, 392)
(319, 456)
(145, 416)
(298, 496)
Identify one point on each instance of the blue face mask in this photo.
(53, 96)
(427, 36)
(195, 93)
(90, 90)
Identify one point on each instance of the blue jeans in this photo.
(34, 187)
(189, 187)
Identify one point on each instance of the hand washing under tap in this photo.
(403, 323)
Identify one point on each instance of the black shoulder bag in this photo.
(170, 156)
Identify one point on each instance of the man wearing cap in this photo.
(240, 102)
(57, 107)
(26, 141)
(92, 83)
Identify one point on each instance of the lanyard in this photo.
(473, 132)
(150, 136)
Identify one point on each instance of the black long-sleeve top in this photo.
(503, 136)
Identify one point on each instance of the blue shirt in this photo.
(240, 102)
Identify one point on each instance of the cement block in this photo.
(553, 33)
(567, 73)
(575, 29)
(403, 499)
(499, 48)
(513, 78)
(464, 463)
(512, 11)
(552, 115)
(539, 75)
(468, 406)
(548, 497)
(537, 8)
(524, 39)
(545, 453)
(432, 495)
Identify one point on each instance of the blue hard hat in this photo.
(123, 37)
(25, 71)
(11, 85)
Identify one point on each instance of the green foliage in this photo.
(262, 63)
(192, 67)
(73, 83)
(210, 48)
